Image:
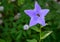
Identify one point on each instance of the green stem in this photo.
(40, 34)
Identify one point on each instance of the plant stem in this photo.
(40, 34)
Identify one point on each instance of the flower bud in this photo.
(26, 27)
(17, 16)
(1, 8)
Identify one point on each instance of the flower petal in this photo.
(37, 6)
(33, 21)
(30, 12)
(41, 21)
(44, 12)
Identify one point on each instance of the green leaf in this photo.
(33, 40)
(1, 40)
(45, 34)
(19, 34)
(36, 29)
(20, 2)
(53, 35)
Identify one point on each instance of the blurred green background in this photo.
(11, 24)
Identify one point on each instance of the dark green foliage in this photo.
(12, 30)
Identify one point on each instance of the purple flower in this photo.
(37, 15)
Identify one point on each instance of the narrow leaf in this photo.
(45, 34)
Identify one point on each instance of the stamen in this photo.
(38, 15)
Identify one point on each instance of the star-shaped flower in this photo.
(37, 15)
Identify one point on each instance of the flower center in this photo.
(38, 15)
